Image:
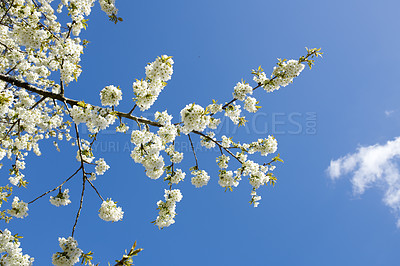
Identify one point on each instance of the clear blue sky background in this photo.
(329, 111)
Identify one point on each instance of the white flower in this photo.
(70, 252)
(167, 212)
(250, 104)
(214, 107)
(19, 208)
(123, 128)
(226, 179)
(62, 198)
(101, 166)
(178, 176)
(168, 133)
(10, 245)
(194, 118)
(109, 211)
(233, 112)
(241, 90)
(163, 118)
(108, 6)
(200, 178)
(110, 96)
(223, 161)
(207, 142)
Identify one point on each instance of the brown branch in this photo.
(219, 145)
(71, 102)
(80, 207)
(44, 194)
(95, 189)
(6, 13)
(84, 179)
(194, 153)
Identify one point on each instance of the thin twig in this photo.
(80, 207)
(44, 194)
(94, 189)
(130, 112)
(83, 180)
(194, 153)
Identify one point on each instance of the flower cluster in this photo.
(19, 208)
(167, 208)
(227, 180)
(241, 90)
(200, 178)
(264, 146)
(255, 199)
(175, 156)
(108, 6)
(223, 161)
(163, 118)
(70, 252)
(94, 117)
(282, 75)
(110, 96)
(62, 198)
(177, 176)
(101, 166)
(250, 104)
(194, 117)
(157, 73)
(10, 245)
(147, 152)
(233, 112)
(109, 211)
(36, 49)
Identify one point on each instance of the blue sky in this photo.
(349, 100)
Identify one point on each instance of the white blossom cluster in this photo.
(122, 127)
(250, 104)
(94, 117)
(109, 211)
(241, 90)
(147, 152)
(167, 208)
(282, 75)
(194, 117)
(19, 208)
(200, 178)
(264, 146)
(227, 180)
(257, 173)
(70, 252)
(208, 141)
(35, 45)
(157, 73)
(62, 199)
(101, 166)
(233, 111)
(11, 251)
(214, 108)
(163, 118)
(86, 152)
(108, 6)
(36, 49)
(167, 133)
(223, 161)
(255, 199)
(110, 96)
(175, 156)
(177, 176)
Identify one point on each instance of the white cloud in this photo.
(376, 165)
(389, 112)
